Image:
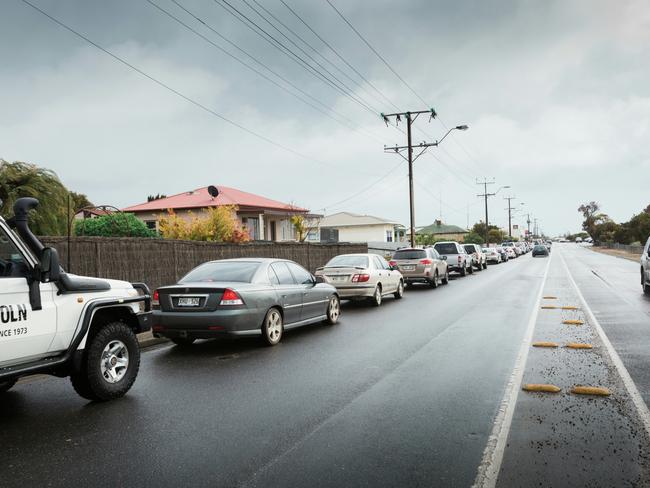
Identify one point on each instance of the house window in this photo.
(151, 224)
(389, 236)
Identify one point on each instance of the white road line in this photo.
(632, 390)
(488, 470)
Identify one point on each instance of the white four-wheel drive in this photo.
(57, 323)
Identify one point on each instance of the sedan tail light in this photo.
(156, 298)
(360, 278)
(460, 259)
(231, 297)
(426, 261)
(392, 263)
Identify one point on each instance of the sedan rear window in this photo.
(469, 249)
(238, 271)
(448, 248)
(348, 260)
(410, 254)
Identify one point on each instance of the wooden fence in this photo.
(159, 262)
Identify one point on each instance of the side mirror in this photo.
(50, 269)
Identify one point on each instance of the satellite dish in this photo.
(213, 191)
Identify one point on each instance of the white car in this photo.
(61, 324)
(366, 276)
(492, 255)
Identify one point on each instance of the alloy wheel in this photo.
(334, 310)
(273, 326)
(114, 361)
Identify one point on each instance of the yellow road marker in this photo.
(548, 307)
(590, 390)
(570, 308)
(545, 344)
(541, 387)
(573, 322)
(578, 345)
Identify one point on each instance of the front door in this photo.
(274, 232)
(314, 301)
(24, 333)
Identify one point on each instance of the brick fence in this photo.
(159, 262)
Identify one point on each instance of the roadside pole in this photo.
(410, 118)
(509, 215)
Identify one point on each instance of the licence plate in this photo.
(408, 268)
(188, 301)
(339, 278)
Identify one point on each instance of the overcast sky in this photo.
(556, 94)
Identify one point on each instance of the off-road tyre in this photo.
(644, 285)
(485, 265)
(89, 381)
(470, 270)
(5, 386)
(463, 271)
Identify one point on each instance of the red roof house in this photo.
(265, 219)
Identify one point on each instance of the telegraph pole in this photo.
(485, 194)
(410, 118)
(528, 223)
(510, 207)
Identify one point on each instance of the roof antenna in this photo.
(213, 191)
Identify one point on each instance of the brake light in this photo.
(360, 278)
(460, 259)
(392, 263)
(231, 297)
(156, 299)
(426, 261)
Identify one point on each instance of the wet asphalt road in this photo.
(401, 396)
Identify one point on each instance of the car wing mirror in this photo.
(50, 268)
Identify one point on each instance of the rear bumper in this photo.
(207, 324)
(350, 291)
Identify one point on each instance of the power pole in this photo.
(535, 228)
(528, 223)
(510, 207)
(410, 118)
(485, 183)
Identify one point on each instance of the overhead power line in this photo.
(347, 122)
(338, 55)
(377, 53)
(279, 45)
(390, 67)
(173, 90)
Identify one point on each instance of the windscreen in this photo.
(238, 271)
(410, 254)
(447, 248)
(345, 261)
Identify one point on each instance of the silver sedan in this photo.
(362, 276)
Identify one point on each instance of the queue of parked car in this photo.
(265, 297)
